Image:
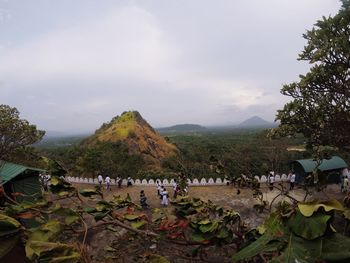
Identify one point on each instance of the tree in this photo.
(320, 105)
(15, 133)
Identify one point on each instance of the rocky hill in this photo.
(140, 138)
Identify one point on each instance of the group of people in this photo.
(271, 180)
(107, 180)
(162, 193)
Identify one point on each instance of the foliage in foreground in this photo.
(53, 230)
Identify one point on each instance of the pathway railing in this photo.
(166, 182)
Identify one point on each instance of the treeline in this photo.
(225, 154)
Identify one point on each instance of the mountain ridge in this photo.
(255, 121)
(182, 128)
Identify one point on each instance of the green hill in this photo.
(139, 137)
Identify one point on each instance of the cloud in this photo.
(175, 62)
(125, 43)
(5, 15)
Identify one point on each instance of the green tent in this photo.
(19, 178)
(332, 167)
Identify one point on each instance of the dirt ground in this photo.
(225, 196)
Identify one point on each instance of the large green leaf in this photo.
(307, 209)
(52, 252)
(103, 206)
(138, 224)
(309, 227)
(70, 216)
(131, 217)
(100, 215)
(46, 232)
(336, 248)
(8, 225)
(298, 250)
(58, 185)
(6, 244)
(211, 227)
(9, 229)
(200, 237)
(262, 244)
(273, 239)
(223, 233)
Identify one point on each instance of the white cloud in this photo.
(176, 62)
(125, 43)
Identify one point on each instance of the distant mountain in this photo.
(182, 128)
(256, 121)
(139, 137)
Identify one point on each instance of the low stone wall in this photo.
(166, 182)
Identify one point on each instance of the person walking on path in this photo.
(271, 180)
(120, 180)
(165, 197)
(143, 199)
(292, 181)
(129, 183)
(100, 179)
(108, 182)
(175, 188)
(159, 187)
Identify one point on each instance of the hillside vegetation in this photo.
(137, 135)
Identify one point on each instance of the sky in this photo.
(72, 65)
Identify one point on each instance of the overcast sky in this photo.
(72, 65)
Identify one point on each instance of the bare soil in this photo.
(132, 248)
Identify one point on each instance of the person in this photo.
(292, 181)
(159, 187)
(162, 189)
(165, 197)
(120, 180)
(143, 199)
(44, 181)
(100, 179)
(108, 183)
(175, 188)
(176, 191)
(186, 190)
(271, 180)
(129, 182)
(346, 184)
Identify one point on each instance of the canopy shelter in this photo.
(332, 167)
(19, 178)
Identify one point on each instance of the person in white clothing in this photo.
(108, 183)
(165, 197)
(159, 187)
(100, 179)
(175, 188)
(292, 181)
(271, 180)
